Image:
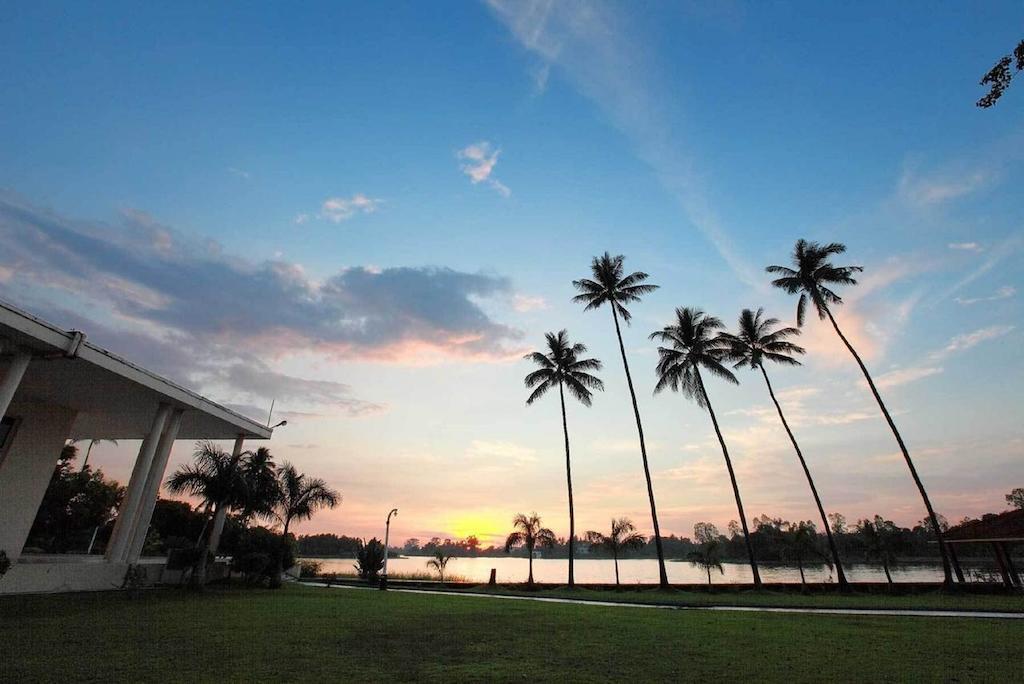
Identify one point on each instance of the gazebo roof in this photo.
(1008, 526)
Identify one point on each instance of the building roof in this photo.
(114, 398)
(1008, 526)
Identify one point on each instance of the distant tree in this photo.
(879, 540)
(529, 533)
(622, 537)
(472, 544)
(92, 443)
(611, 286)
(708, 555)
(439, 562)
(411, 546)
(692, 343)
(370, 559)
(813, 278)
(757, 340)
(837, 522)
(801, 541)
(300, 497)
(562, 365)
(1016, 498)
(999, 76)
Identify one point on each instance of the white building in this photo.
(55, 386)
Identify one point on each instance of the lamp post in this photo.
(387, 533)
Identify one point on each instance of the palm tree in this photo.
(877, 537)
(708, 554)
(758, 341)
(439, 562)
(92, 443)
(695, 344)
(801, 542)
(217, 478)
(530, 534)
(623, 537)
(301, 496)
(263, 487)
(562, 366)
(812, 278)
(610, 286)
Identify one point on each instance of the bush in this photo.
(309, 568)
(256, 552)
(370, 559)
(134, 580)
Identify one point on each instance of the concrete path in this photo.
(736, 609)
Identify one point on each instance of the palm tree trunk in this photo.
(277, 579)
(616, 557)
(708, 568)
(843, 584)
(529, 554)
(199, 569)
(88, 450)
(800, 565)
(885, 566)
(946, 568)
(568, 479)
(662, 574)
(732, 477)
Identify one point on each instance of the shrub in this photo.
(134, 580)
(309, 568)
(256, 551)
(370, 559)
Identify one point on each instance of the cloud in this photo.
(501, 453)
(338, 209)
(148, 276)
(524, 303)
(255, 379)
(479, 160)
(590, 44)
(245, 175)
(965, 246)
(1005, 292)
(936, 189)
(902, 376)
(966, 341)
(999, 252)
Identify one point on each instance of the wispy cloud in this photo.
(523, 303)
(338, 209)
(902, 376)
(965, 246)
(926, 191)
(993, 257)
(589, 43)
(956, 345)
(241, 173)
(479, 160)
(966, 341)
(1005, 292)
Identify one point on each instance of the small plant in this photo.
(370, 559)
(134, 580)
(439, 562)
(5, 563)
(309, 568)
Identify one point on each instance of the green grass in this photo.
(315, 634)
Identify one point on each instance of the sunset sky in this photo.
(369, 213)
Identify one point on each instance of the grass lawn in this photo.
(311, 634)
(927, 600)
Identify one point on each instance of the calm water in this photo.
(642, 570)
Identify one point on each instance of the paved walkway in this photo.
(737, 609)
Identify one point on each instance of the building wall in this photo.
(27, 466)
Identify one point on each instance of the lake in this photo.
(640, 570)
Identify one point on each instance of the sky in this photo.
(367, 214)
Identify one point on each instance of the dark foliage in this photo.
(999, 76)
(370, 559)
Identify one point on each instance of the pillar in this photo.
(120, 538)
(140, 528)
(12, 378)
(222, 511)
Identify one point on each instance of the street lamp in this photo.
(281, 424)
(387, 533)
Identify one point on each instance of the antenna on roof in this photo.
(271, 413)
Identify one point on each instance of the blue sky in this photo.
(368, 212)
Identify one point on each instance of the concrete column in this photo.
(222, 512)
(11, 380)
(140, 528)
(120, 539)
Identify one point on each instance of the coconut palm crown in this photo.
(694, 344)
(529, 533)
(814, 277)
(759, 340)
(562, 365)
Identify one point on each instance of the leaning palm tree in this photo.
(301, 496)
(758, 341)
(812, 278)
(216, 477)
(695, 344)
(623, 537)
(800, 543)
(610, 286)
(562, 367)
(92, 443)
(530, 534)
(439, 562)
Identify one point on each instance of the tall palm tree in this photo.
(623, 537)
(216, 477)
(757, 341)
(528, 532)
(264, 490)
(301, 496)
(695, 344)
(610, 286)
(801, 542)
(812, 278)
(708, 554)
(562, 367)
(92, 443)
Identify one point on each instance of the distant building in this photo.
(55, 386)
